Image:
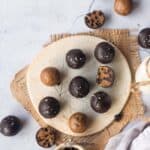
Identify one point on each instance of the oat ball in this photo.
(50, 76)
(78, 122)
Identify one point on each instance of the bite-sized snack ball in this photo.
(100, 102)
(78, 122)
(75, 58)
(105, 76)
(50, 76)
(46, 137)
(95, 19)
(49, 107)
(104, 52)
(10, 125)
(79, 87)
(144, 38)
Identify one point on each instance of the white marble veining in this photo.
(24, 26)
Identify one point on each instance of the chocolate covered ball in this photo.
(104, 52)
(78, 122)
(46, 137)
(79, 87)
(75, 58)
(10, 125)
(100, 102)
(50, 76)
(105, 76)
(49, 107)
(144, 38)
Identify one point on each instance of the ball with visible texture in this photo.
(49, 107)
(79, 87)
(75, 58)
(78, 122)
(101, 102)
(10, 125)
(104, 52)
(105, 76)
(50, 76)
(95, 19)
(46, 137)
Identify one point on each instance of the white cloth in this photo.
(136, 136)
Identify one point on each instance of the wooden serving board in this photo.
(55, 55)
(133, 109)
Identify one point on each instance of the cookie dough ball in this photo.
(79, 87)
(100, 102)
(105, 76)
(46, 137)
(104, 52)
(75, 58)
(10, 125)
(49, 107)
(78, 122)
(144, 38)
(50, 76)
(95, 19)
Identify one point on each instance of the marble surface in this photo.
(25, 25)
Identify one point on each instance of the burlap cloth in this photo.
(133, 109)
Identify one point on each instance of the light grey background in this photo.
(25, 25)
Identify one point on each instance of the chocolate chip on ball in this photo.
(105, 76)
(50, 76)
(78, 122)
(95, 19)
(75, 58)
(49, 107)
(118, 117)
(10, 125)
(79, 87)
(46, 137)
(100, 102)
(104, 52)
(144, 38)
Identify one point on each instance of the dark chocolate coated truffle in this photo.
(105, 76)
(46, 137)
(49, 107)
(79, 87)
(75, 58)
(100, 102)
(104, 52)
(10, 126)
(144, 38)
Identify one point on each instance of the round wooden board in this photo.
(54, 55)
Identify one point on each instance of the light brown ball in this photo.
(50, 76)
(78, 122)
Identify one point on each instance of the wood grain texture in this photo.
(133, 109)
